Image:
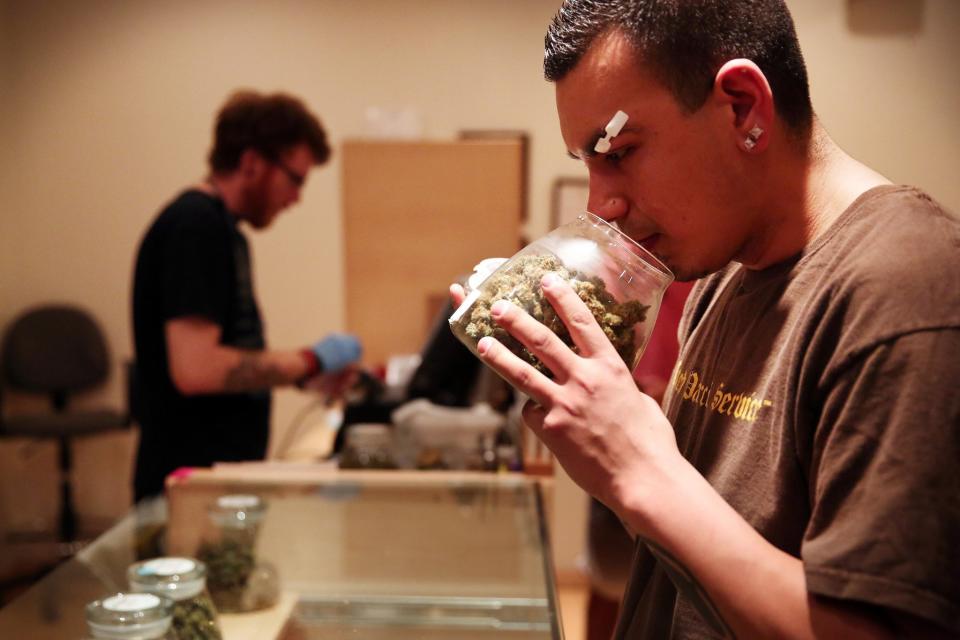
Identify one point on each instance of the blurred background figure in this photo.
(447, 375)
(203, 371)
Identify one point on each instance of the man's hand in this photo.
(602, 429)
(457, 294)
(333, 385)
(334, 370)
(337, 351)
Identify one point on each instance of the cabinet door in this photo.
(418, 215)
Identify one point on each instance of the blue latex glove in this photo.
(337, 351)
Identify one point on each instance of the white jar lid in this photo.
(176, 578)
(238, 510)
(131, 602)
(368, 435)
(129, 615)
(168, 566)
(239, 501)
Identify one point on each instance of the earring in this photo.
(752, 136)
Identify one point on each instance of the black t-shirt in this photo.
(193, 261)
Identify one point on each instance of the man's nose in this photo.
(605, 204)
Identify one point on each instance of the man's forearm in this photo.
(262, 370)
(230, 370)
(199, 364)
(758, 590)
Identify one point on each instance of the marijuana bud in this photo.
(519, 282)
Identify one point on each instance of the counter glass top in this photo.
(359, 555)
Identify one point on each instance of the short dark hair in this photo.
(685, 42)
(266, 123)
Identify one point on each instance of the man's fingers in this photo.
(457, 294)
(583, 327)
(515, 371)
(537, 338)
(533, 415)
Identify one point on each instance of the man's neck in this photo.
(227, 188)
(835, 181)
(810, 190)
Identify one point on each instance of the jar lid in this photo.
(176, 578)
(238, 510)
(368, 435)
(129, 615)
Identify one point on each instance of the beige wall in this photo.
(106, 106)
(884, 82)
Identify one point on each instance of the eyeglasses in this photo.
(294, 177)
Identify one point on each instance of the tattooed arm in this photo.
(199, 364)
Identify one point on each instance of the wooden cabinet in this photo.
(417, 215)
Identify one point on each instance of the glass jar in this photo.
(131, 616)
(621, 283)
(368, 446)
(237, 580)
(183, 580)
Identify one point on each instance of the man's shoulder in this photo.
(899, 242)
(891, 268)
(191, 216)
(898, 221)
(193, 208)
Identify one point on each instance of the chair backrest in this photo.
(55, 349)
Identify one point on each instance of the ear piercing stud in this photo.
(752, 136)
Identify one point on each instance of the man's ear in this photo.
(741, 84)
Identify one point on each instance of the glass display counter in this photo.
(358, 555)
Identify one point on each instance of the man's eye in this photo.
(614, 157)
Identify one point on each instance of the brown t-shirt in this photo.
(820, 398)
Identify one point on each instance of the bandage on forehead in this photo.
(611, 131)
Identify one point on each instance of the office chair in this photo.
(57, 350)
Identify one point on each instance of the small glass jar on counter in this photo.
(183, 580)
(238, 581)
(368, 446)
(131, 616)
